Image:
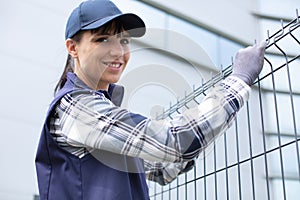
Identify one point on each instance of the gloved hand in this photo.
(248, 62)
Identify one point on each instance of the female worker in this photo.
(90, 148)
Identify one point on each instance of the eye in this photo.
(102, 39)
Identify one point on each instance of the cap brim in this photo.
(132, 23)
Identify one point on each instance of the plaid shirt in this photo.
(84, 121)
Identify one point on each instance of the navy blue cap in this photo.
(92, 14)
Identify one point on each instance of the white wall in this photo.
(32, 56)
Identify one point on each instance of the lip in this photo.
(113, 65)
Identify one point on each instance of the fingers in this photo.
(261, 46)
(258, 47)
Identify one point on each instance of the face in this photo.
(101, 58)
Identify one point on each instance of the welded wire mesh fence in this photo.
(258, 157)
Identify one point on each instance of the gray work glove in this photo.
(249, 62)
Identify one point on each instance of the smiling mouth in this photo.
(113, 65)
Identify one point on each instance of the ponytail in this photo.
(69, 67)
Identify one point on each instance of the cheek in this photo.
(92, 65)
(126, 57)
(92, 59)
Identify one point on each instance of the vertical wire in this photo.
(226, 166)
(250, 149)
(264, 139)
(169, 191)
(177, 189)
(149, 186)
(204, 174)
(155, 193)
(185, 186)
(238, 157)
(278, 131)
(215, 172)
(162, 193)
(195, 168)
(195, 182)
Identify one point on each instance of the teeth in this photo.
(114, 65)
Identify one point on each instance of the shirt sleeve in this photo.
(164, 173)
(92, 121)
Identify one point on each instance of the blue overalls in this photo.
(64, 176)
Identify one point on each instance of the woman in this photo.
(90, 148)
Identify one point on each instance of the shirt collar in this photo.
(115, 92)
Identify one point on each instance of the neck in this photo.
(95, 85)
(102, 86)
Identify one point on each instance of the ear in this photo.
(71, 47)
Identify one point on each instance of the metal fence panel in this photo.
(258, 157)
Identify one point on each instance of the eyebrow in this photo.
(122, 34)
(97, 36)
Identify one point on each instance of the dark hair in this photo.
(114, 25)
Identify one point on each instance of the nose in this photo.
(117, 49)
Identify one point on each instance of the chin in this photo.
(114, 80)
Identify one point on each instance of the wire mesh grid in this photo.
(258, 157)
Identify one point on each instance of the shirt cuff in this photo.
(238, 88)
